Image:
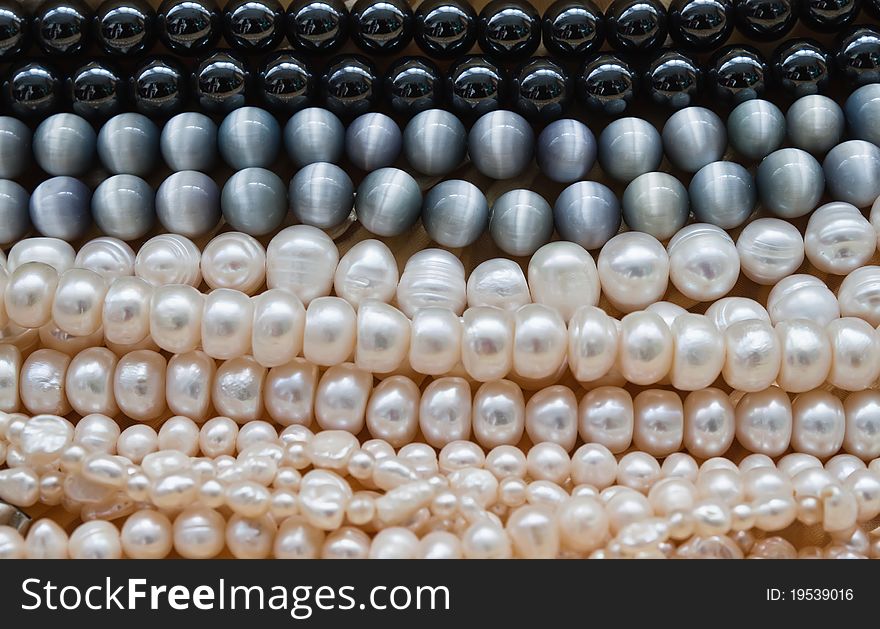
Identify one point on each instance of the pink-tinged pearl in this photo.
(297, 539)
(97, 539)
(238, 389)
(181, 434)
(439, 545)
(670, 495)
(658, 426)
(703, 262)
(394, 543)
(30, 293)
(89, 382)
(435, 341)
(52, 251)
(862, 435)
(278, 327)
(352, 543)
(234, 260)
(593, 464)
(548, 461)
(770, 249)
(393, 411)
(97, 433)
(841, 466)
(139, 385)
(540, 341)
(341, 399)
(432, 278)
(680, 465)
(227, 321)
(583, 523)
(169, 259)
(698, 352)
(855, 354)
(79, 301)
(136, 442)
(330, 331)
(487, 343)
(592, 343)
(625, 507)
(729, 310)
(290, 392)
(498, 282)
(485, 539)
(605, 416)
(42, 382)
(52, 337)
(506, 462)
(218, 436)
(367, 271)
(763, 421)
(534, 532)
(46, 540)
(709, 423)
(188, 380)
(176, 318)
(198, 533)
(839, 239)
(563, 276)
(752, 355)
(818, 423)
(645, 348)
(126, 312)
(806, 355)
(634, 271)
(383, 337)
(802, 297)
(250, 538)
(498, 414)
(865, 484)
(302, 259)
(10, 368)
(552, 416)
(146, 535)
(19, 486)
(445, 411)
(859, 295)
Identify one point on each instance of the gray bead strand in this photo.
(435, 142)
(128, 144)
(521, 222)
(314, 135)
(587, 213)
(188, 203)
(254, 201)
(59, 208)
(189, 142)
(249, 137)
(455, 213)
(722, 194)
(123, 206)
(388, 202)
(321, 195)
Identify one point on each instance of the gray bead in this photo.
(64, 144)
(249, 137)
(314, 135)
(128, 144)
(790, 183)
(123, 206)
(435, 142)
(521, 222)
(388, 202)
(852, 172)
(756, 128)
(15, 147)
(189, 142)
(501, 144)
(629, 147)
(723, 194)
(657, 204)
(815, 123)
(59, 208)
(455, 213)
(587, 213)
(862, 110)
(566, 150)
(14, 218)
(254, 201)
(372, 141)
(694, 137)
(321, 195)
(188, 203)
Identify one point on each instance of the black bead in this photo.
(381, 27)
(636, 25)
(738, 73)
(475, 86)
(253, 25)
(317, 26)
(606, 84)
(765, 20)
(125, 27)
(95, 90)
(32, 89)
(872, 7)
(673, 80)
(350, 85)
(857, 55)
(573, 28)
(700, 24)
(285, 82)
(221, 82)
(188, 27)
(541, 89)
(509, 29)
(445, 28)
(158, 87)
(828, 15)
(801, 67)
(15, 26)
(413, 84)
(62, 27)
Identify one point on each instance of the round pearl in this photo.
(302, 259)
(501, 144)
(709, 424)
(290, 392)
(852, 171)
(189, 142)
(498, 414)
(139, 385)
(15, 221)
(146, 535)
(89, 382)
(533, 531)
(755, 128)
(341, 398)
(645, 348)
(487, 343)
(372, 141)
(629, 147)
(250, 538)
(176, 317)
(383, 337)
(790, 183)
(97, 539)
(552, 416)
(723, 194)
(635, 470)
(129, 144)
(862, 434)
(108, 257)
(698, 352)
(753, 355)
(297, 539)
(330, 331)
(249, 137)
(432, 278)
(763, 421)
(855, 354)
(126, 312)
(435, 341)
(136, 442)
(770, 250)
(367, 271)
(64, 144)
(198, 533)
(440, 545)
(658, 422)
(321, 195)
(587, 213)
(818, 423)
(395, 543)
(633, 270)
(314, 135)
(169, 259)
(52, 251)
(694, 137)
(30, 292)
(814, 123)
(802, 297)
(188, 379)
(703, 262)
(806, 355)
(392, 412)
(388, 202)
(656, 203)
(566, 150)
(96, 432)
(455, 213)
(59, 208)
(563, 276)
(235, 261)
(593, 464)
(521, 221)
(498, 282)
(445, 411)
(188, 203)
(858, 295)
(254, 200)
(434, 142)
(15, 147)
(217, 437)
(839, 239)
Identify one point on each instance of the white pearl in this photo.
(703, 262)
(634, 270)
(592, 343)
(432, 278)
(862, 436)
(367, 271)
(709, 424)
(540, 341)
(176, 317)
(10, 369)
(842, 466)
(238, 389)
(752, 355)
(583, 523)
(562, 275)
(485, 539)
(802, 297)
(667, 310)
(323, 496)
(606, 417)
(680, 465)
(855, 354)
(302, 259)
(534, 533)
(394, 543)
(439, 545)
(234, 260)
(188, 380)
(136, 442)
(645, 350)
(445, 411)
(330, 331)
(341, 398)
(866, 487)
(55, 252)
(181, 434)
(839, 239)
(95, 540)
(393, 411)
(763, 421)
(126, 311)
(108, 257)
(30, 293)
(698, 352)
(43, 439)
(859, 295)
(89, 382)
(290, 392)
(498, 414)
(218, 436)
(139, 385)
(795, 462)
(278, 327)
(42, 387)
(770, 249)
(169, 259)
(729, 310)
(658, 422)
(487, 342)
(806, 355)
(146, 535)
(351, 543)
(818, 423)
(97, 433)
(297, 539)
(552, 416)
(198, 533)
(498, 282)
(506, 462)
(636, 470)
(435, 341)
(227, 324)
(250, 538)
(51, 337)
(46, 540)
(19, 486)
(383, 337)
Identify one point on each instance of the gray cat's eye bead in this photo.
(388, 202)
(657, 204)
(722, 194)
(521, 222)
(254, 201)
(189, 142)
(863, 113)
(59, 208)
(566, 151)
(15, 147)
(756, 128)
(852, 172)
(587, 213)
(123, 207)
(64, 144)
(629, 147)
(694, 137)
(249, 137)
(188, 203)
(814, 123)
(321, 195)
(372, 141)
(455, 213)
(314, 135)
(434, 142)
(128, 144)
(14, 218)
(790, 183)
(501, 144)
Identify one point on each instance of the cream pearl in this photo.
(237, 390)
(367, 271)
(667, 310)
(605, 416)
(126, 310)
(19, 486)
(52, 337)
(108, 257)
(752, 355)
(234, 260)
(383, 337)
(794, 463)
(634, 270)
(217, 437)
(302, 259)
(323, 496)
(169, 259)
(351, 543)
(393, 411)
(592, 343)
(136, 442)
(729, 310)
(487, 342)
(42, 382)
(297, 539)
(583, 523)
(341, 398)
(435, 341)
(394, 543)
(638, 471)
(680, 465)
(764, 421)
(46, 540)
(806, 355)
(198, 533)
(278, 327)
(506, 462)
(41, 440)
(866, 487)
(30, 293)
(486, 539)
(89, 382)
(330, 331)
(146, 535)
(698, 352)
(839, 239)
(862, 435)
(670, 495)
(250, 538)
(55, 252)
(289, 392)
(139, 385)
(432, 278)
(552, 416)
(818, 423)
(859, 295)
(498, 414)
(658, 422)
(855, 354)
(645, 349)
(802, 297)
(227, 324)
(97, 539)
(445, 411)
(181, 434)
(540, 341)
(188, 380)
(842, 466)
(439, 545)
(498, 282)
(97, 433)
(703, 262)
(176, 317)
(10, 368)
(534, 532)
(769, 250)
(709, 424)
(563, 276)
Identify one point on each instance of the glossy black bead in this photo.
(475, 86)
(381, 27)
(221, 82)
(765, 20)
(606, 84)
(62, 27)
(15, 27)
(700, 25)
(317, 26)
(801, 67)
(413, 84)
(253, 25)
(509, 29)
(672, 79)
(285, 83)
(125, 27)
(32, 89)
(541, 89)
(350, 85)
(857, 55)
(738, 73)
(158, 87)
(445, 28)
(872, 8)
(828, 15)
(636, 25)
(95, 90)
(188, 27)
(573, 28)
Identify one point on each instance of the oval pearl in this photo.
(278, 327)
(169, 259)
(552, 416)
(46, 540)
(237, 390)
(198, 533)
(698, 352)
(487, 343)
(769, 250)
(658, 422)
(176, 317)
(289, 392)
(139, 385)
(445, 411)
(435, 341)
(855, 354)
(227, 321)
(753, 355)
(383, 337)
(498, 414)
(234, 260)
(108, 257)
(330, 331)
(763, 421)
(862, 435)
(633, 270)
(498, 282)
(30, 293)
(645, 349)
(592, 343)
(302, 259)
(839, 239)
(341, 398)
(703, 262)
(432, 278)
(367, 271)
(806, 355)
(217, 437)
(802, 297)
(606, 416)
(540, 341)
(709, 423)
(89, 382)
(188, 380)
(562, 275)
(10, 368)
(859, 295)
(818, 423)
(729, 310)
(393, 411)
(42, 382)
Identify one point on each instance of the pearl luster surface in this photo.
(633, 270)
